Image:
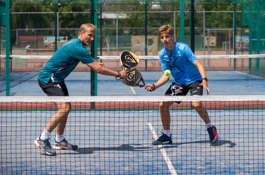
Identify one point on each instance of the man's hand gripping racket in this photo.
(129, 62)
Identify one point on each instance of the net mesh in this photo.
(115, 135)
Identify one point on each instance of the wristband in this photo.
(205, 79)
(154, 87)
(119, 74)
(118, 77)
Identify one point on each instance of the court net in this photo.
(246, 63)
(115, 135)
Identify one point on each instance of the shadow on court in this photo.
(219, 143)
(123, 147)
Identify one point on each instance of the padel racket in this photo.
(128, 60)
(133, 78)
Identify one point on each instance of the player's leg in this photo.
(59, 120)
(165, 114)
(197, 90)
(173, 90)
(53, 89)
(165, 138)
(43, 141)
(197, 105)
(64, 110)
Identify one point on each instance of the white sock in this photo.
(45, 135)
(208, 125)
(59, 138)
(167, 132)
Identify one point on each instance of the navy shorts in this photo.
(182, 90)
(54, 89)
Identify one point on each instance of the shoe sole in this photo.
(47, 153)
(162, 143)
(64, 148)
(214, 141)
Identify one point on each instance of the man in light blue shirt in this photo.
(189, 75)
(51, 80)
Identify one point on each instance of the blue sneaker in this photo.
(213, 134)
(164, 139)
(45, 146)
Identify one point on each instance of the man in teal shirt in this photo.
(51, 80)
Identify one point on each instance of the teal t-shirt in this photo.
(64, 60)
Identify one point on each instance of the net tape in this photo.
(131, 98)
(143, 57)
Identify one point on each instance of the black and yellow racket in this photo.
(128, 60)
(133, 78)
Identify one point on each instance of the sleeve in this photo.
(189, 54)
(84, 56)
(76, 50)
(164, 64)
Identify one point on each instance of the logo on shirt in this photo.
(171, 61)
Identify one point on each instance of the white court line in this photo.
(132, 90)
(164, 153)
(250, 75)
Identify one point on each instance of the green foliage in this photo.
(220, 20)
(73, 20)
(49, 2)
(30, 20)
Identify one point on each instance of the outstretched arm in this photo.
(163, 80)
(99, 67)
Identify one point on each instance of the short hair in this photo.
(84, 27)
(168, 29)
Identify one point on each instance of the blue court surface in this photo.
(120, 142)
(78, 83)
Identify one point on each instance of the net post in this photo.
(192, 21)
(235, 31)
(182, 7)
(93, 17)
(145, 32)
(7, 47)
(55, 25)
(258, 37)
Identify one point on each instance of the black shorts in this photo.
(54, 89)
(182, 90)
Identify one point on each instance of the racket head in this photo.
(128, 59)
(133, 78)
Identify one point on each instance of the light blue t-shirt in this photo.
(179, 61)
(64, 60)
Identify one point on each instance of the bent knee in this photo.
(68, 107)
(196, 104)
(65, 107)
(164, 105)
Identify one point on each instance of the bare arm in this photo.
(99, 67)
(201, 69)
(163, 80)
